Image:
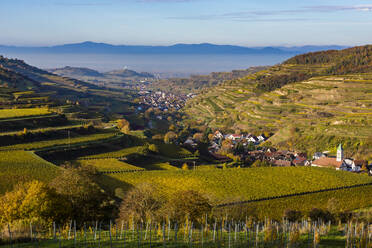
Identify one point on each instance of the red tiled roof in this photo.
(327, 162)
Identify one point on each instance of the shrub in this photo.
(317, 214)
(293, 215)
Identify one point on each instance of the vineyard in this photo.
(20, 166)
(211, 233)
(61, 142)
(230, 185)
(26, 112)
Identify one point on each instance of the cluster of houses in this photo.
(245, 139)
(279, 158)
(163, 100)
(283, 158)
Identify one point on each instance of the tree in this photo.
(88, 201)
(33, 202)
(170, 137)
(154, 148)
(172, 127)
(123, 125)
(141, 203)
(198, 137)
(210, 136)
(185, 166)
(189, 205)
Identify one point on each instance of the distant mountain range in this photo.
(204, 48)
(81, 73)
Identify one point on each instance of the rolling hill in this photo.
(310, 102)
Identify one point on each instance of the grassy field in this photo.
(25, 112)
(20, 166)
(223, 186)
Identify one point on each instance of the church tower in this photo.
(340, 153)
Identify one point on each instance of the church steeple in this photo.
(340, 153)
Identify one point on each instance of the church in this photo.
(338, 162)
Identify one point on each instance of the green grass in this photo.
(21, 166)
(223, 186)
(25, 112)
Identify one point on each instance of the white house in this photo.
(261, 138)
(234, 137)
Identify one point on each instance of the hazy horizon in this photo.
(164, 64)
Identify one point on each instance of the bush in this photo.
(293, 215)
(317, 214)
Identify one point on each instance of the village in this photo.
(163, 100)
(249, 149)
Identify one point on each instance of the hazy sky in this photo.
(242, 22)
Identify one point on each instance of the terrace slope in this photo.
(311, 102)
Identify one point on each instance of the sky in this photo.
(166, 22)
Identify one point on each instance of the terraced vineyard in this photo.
(62, 142)
(334, 109)
(14, 113)
(109, 164)
(240, 184)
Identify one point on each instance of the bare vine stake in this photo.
(31, 234)
(169, 227)
(95, 231)
(54, 230)
(69, 230)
